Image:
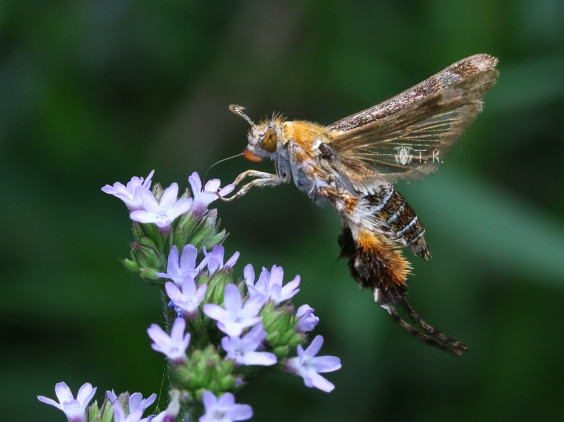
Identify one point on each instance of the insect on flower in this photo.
(353, 163)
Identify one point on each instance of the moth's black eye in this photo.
(269, 141)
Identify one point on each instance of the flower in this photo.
(130, 194)
(269, 284)
(174, 345)
(177, 269)
(135, 401)
(236, 316)
(136, 405)
(243, 350)
(161, 213)
(189, 298)
(224, 409)
(73, 408)
(214, 259)
(211, 192)
(306, 320)
(309, 366)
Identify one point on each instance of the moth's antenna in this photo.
(221, 161)
(238, 110)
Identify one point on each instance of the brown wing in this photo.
(375, 144)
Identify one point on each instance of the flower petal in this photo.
(85, 394)
(326, 363)
(232, 299)
(260, 358)
(169, 196)
(214, 311)
(241, 412)
(188, 257)
(315, 346)
(321, 383)
(63, 392)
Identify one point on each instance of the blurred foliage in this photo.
(97, 91)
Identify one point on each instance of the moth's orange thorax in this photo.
(304, 133)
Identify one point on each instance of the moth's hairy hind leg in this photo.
(429, 334)
(262, 179)
(451, 341)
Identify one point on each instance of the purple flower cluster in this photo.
(239, 317)
(221, 329)
(146, 208)
(184, 293)
(125, 408)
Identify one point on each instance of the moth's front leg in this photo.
(262, 179)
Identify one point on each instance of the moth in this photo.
(353, 163)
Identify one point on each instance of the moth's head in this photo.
(264, 138)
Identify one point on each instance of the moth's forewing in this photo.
(428, 116)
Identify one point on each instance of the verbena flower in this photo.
(177, 269)
(269, 284)
(306, 319)
(189, 298)
(135, 401)
(73, 408)
(162, 212)
(131, 193)
(243, 351)
(236, 316)
(211, 192)
(260, 326)
(214, 259)
(224, 409)
(309, 366)
(174, 345)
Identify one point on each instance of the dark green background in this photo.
(97, 91)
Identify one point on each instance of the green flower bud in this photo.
(130, 265)
(216, 286)
(148, 234)
(157, 191)
(206, 370)
(206, 232)
(105, 414)
(280, 326)
(184, 229)
(149, 260)
(94, 414)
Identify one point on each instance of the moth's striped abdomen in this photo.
(397, 217)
